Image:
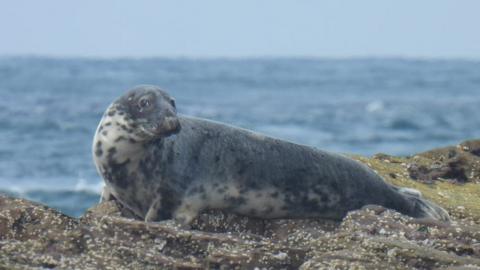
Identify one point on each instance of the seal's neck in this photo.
(114, 143)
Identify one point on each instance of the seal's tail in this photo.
(424, 208)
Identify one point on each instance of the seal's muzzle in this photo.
(169, 126)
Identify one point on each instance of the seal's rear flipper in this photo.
(410, 191)
(428, 209)
(422, 207)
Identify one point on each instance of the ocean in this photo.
(50, 108)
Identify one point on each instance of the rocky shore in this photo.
(33, 236)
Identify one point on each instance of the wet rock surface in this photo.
(33, 236)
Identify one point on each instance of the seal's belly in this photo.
(266, 202)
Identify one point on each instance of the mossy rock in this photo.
(461, 197)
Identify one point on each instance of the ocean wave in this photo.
(404, 124)
(59, 183)
(375, 106)
(50, 108)
(70, 198)
(71, 202)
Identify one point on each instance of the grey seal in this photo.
(163, 165)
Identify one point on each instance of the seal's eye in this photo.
(144, 103)
(172, 102)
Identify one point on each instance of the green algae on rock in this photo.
(441, 184)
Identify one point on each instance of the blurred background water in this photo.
(49, 109)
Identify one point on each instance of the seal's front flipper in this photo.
(157, 216)
(185, 218)
(187, 211)
(153, 213)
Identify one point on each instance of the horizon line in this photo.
(246, 57)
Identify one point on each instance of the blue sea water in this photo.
(49, 109)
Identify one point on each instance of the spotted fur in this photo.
(162, 165)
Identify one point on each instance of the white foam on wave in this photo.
(375, 106)
(83, 185)
(25, 186)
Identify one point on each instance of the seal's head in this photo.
(144, 113)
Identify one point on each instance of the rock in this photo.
(449, 176)
(33, 235)
(459, 163)
(107, 236)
